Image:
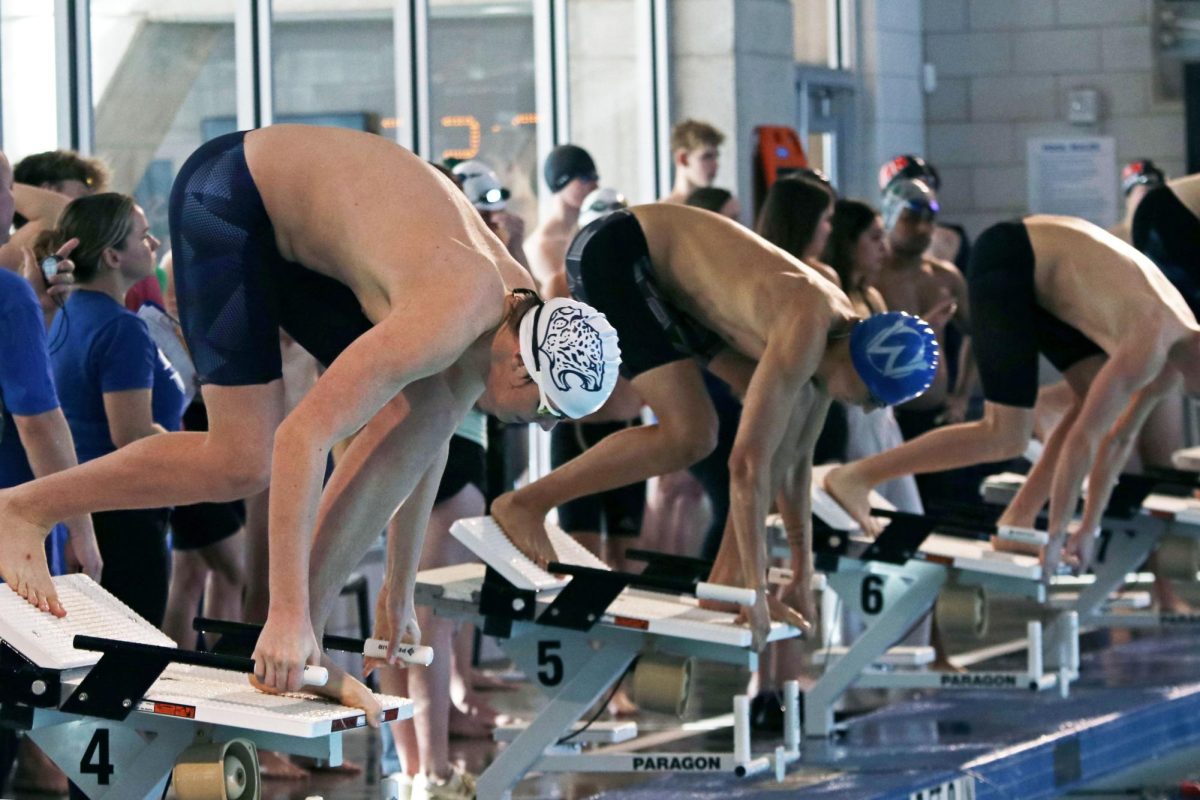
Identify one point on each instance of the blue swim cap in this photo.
(896, 355)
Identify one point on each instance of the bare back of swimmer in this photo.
(1103, 314)
(741, 286)
(378, 266)
(689, 290)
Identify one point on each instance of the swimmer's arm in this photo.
(367, 375)
(733, 368)
(1110, 392)
(41, 207)
(38, 205)
(385, 462)
(794, 498)
(130, 416)
(784, 369)
(1118, 444)
(623, 405)
(406, 536)
(46, 439)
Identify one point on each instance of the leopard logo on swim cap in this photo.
(571, 350)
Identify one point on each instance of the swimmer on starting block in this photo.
(380, 267)
(1104, 315)
(689, 290)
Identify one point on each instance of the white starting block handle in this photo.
(410, 653)
(725, 594)
(315, 676)
(1030, 536)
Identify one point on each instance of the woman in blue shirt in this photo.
(114, 385)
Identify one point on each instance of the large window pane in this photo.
(481, 92)
(163, 81)
(27, 46)
(332, 63)
(815, 32)
(602, 61)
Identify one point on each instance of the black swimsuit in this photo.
(235, 290)
(1010, 327)
(608, 267)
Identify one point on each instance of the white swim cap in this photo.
(470, 168)
(600, 203)
(485, 192)
(571, 352)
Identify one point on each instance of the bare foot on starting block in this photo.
(525, 528)
(1005, 545)
(23, 559)
(846, 487)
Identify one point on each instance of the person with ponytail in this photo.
(856, 250)
(114, 384)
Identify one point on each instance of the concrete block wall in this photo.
(890, 103)
(1004, 69)
(733, 65)
(604, 92)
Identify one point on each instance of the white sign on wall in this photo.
(1074, 176)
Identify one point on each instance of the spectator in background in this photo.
(795, 217)
(570, 175)
(949, 241)
(912, 281)
(114, 383)
(1137, 179)
(62, 171)
(599, 203)
(695, 151)
(483, 188)
(856, 250)
(72, 175)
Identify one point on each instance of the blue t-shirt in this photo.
(97, 346)
(26, 385)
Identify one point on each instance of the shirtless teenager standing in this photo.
(1033, 286)
(571, 176)
(915, 282)
(691, 290)
(381, 268)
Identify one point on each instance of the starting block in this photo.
(575, 630)
(898, 578)
(1138, 521)
(1187, 459)
(117, 706)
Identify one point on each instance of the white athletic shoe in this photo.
(459, 786)
(397, 786)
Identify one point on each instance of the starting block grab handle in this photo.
(313, 676)
(725, 594)
(370, 648)
(702, 590)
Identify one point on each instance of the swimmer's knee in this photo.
(239, 472)
(691, 437)
(1009, 441)
(691, 444)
